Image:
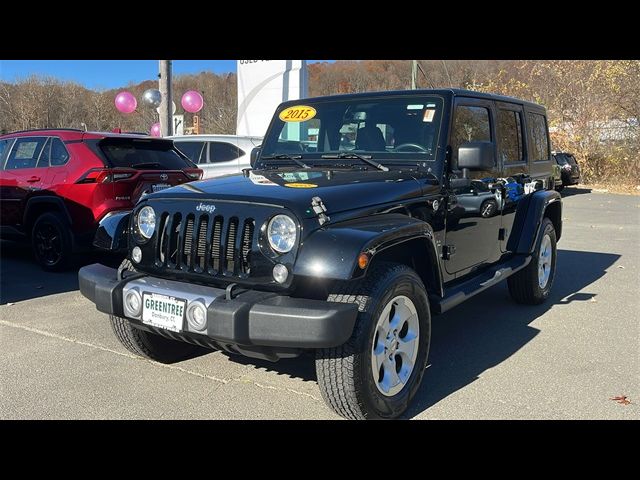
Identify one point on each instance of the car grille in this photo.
(205, 244)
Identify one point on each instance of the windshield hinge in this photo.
(320, 210)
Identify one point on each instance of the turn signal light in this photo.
(363, 261)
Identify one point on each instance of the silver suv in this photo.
(217, 155)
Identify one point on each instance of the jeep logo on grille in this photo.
(206, 208)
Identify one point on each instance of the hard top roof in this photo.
(445, 92)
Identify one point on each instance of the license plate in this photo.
(159, 186)
(163, 311)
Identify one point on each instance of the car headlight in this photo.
(281, 233)
(146, 222)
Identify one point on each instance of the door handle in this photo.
(33, 179)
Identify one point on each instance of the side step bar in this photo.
(467, 289)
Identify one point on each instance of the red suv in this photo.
(56, 186)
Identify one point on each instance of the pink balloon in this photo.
(126, 102)
(155, 130)
(192, 101)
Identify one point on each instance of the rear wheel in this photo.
(532, 284)
(377, 372)
(51, 242)
(146, 344)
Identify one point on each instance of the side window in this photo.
(539, 137)
(509, 132)
(25, 153)
(193, 150)
(223, 152)
(58, 154)
(471, 124)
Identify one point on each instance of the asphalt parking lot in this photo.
(490, 358)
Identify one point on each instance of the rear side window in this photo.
(58, 154)
(539, 137)
(25, 153)
(509, 132)
(193, 150)
(144, 155)
(223, 152)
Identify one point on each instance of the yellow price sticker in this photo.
(300, 185)
(297, 113)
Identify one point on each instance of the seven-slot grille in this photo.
(209, 244)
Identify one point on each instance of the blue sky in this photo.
(105, 74)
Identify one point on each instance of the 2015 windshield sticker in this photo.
(297, 113)
(300, 185)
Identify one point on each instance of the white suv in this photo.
(217, 155)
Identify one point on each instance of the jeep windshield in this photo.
(388, 129)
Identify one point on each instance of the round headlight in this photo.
(146, 222)
(281, 233)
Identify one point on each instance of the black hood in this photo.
(340, 190)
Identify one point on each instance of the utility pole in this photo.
(166, 115)
(414, 73)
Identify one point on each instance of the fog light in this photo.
(136, 254)
(133, 303)
(280, 273)
(197, 315)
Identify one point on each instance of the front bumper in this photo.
(250, 318)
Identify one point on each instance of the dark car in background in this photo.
(57, 185)
(569, 169)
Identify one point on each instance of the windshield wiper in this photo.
(285, 156)
(365, 158)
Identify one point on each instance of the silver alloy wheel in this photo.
(395, 345)
(544, 261)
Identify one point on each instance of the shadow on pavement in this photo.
(489, 328)
(479, 334)
(22, 279)
(571, 191)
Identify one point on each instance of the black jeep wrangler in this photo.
(362, 215)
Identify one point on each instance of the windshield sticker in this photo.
(300, 185)
(299, 176)
(297, 113)
(415, 107)
(428, 115)
(260, 179)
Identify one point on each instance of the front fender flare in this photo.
(332, 252)
(112, 231)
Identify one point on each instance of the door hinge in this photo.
(448, 251)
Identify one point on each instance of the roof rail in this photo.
(46, 130)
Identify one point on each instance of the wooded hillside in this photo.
(593, 106)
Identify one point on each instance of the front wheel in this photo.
(146, 344)
(377, 372)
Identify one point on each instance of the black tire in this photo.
(524, 286)
(146, 344)
(345, 374)
(51, 242)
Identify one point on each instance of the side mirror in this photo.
(476, 156)
(255, 153)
